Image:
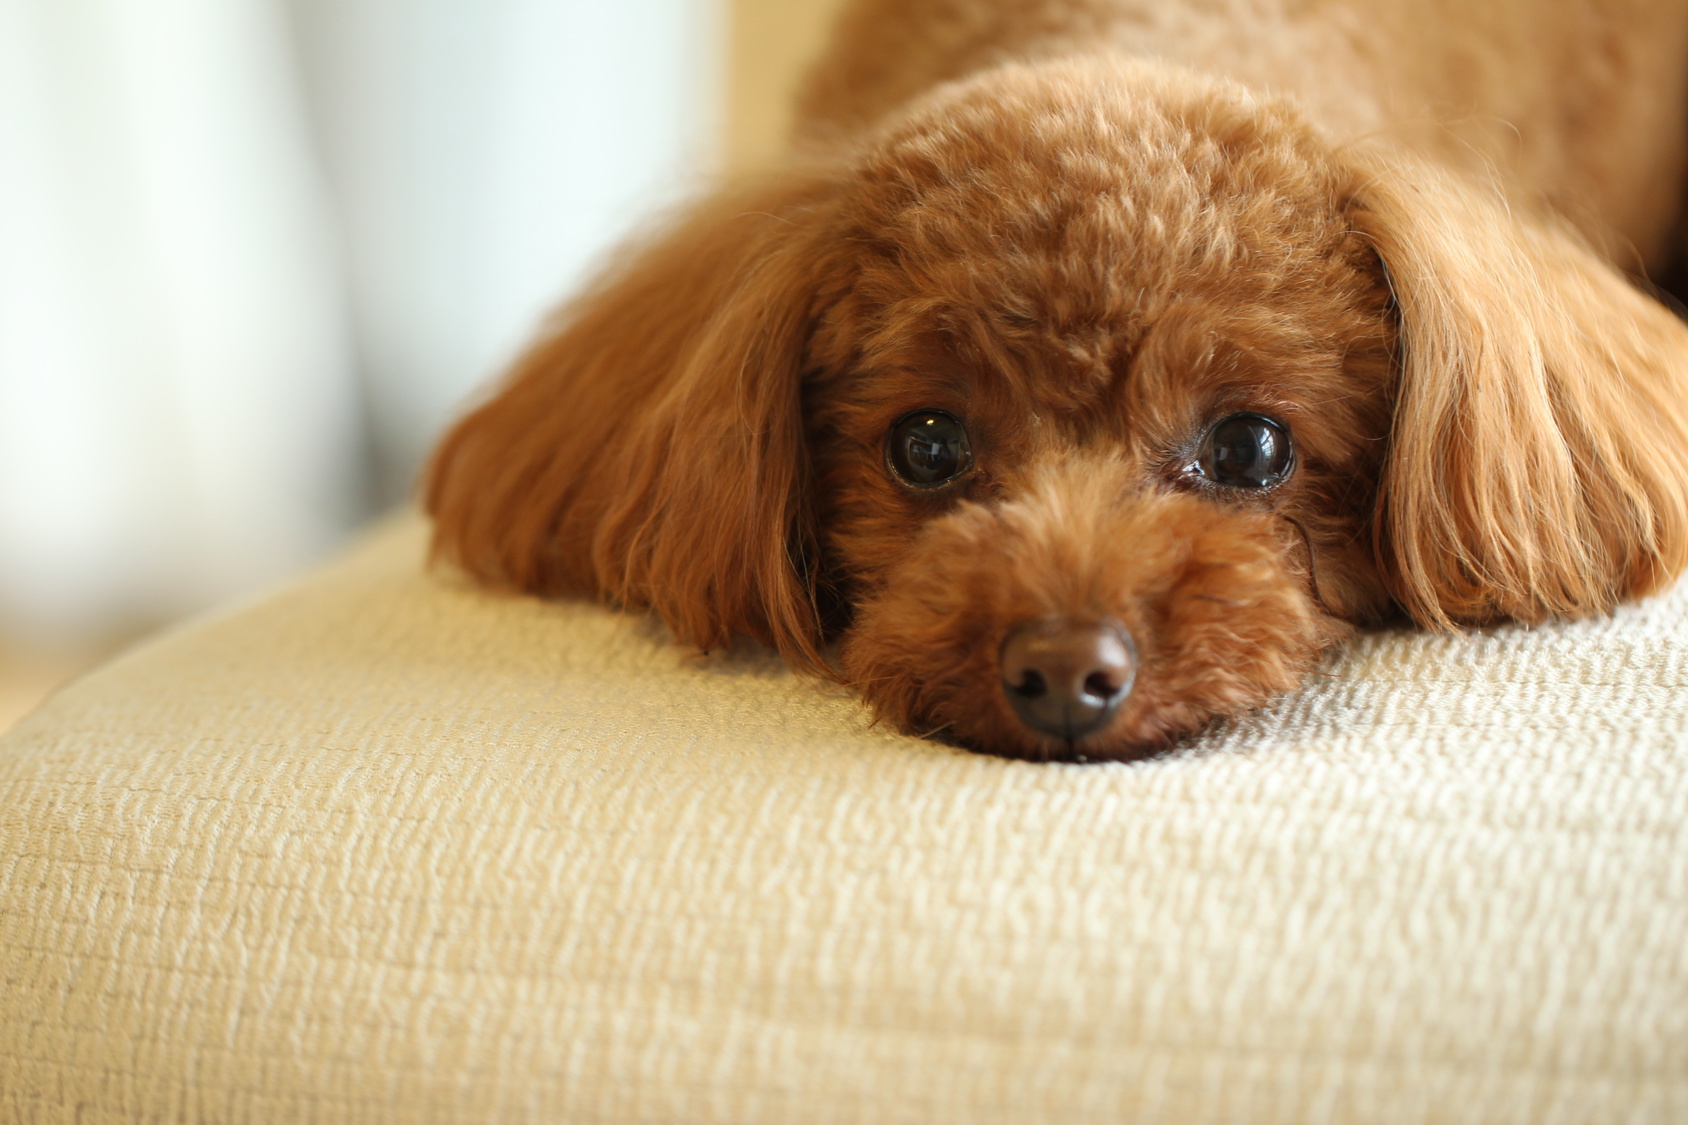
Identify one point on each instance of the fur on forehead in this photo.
(1053, 228)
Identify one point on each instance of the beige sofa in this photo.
(386, 848)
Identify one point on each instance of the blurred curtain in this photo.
(483, 155)
(177, 409)
(253, 253)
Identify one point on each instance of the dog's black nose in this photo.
(1065, 679)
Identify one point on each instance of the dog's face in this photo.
(1096, 428)
(1084, 404)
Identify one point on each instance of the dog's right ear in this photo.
(648, 450)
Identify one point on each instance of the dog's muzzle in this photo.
(1066, 679)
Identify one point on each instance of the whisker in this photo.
(1312, 565)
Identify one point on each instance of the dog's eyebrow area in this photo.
(1144, 376)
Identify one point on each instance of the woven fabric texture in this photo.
(386, 848)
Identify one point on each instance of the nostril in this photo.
(1101, 685)
(1032, 685)
(1066, 679)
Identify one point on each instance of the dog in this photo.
(1095, 366)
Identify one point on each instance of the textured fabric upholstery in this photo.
(386, 848)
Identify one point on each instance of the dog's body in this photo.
(1097, 365)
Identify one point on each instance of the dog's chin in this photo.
(1213, 602)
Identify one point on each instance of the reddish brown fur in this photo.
(1090, 259)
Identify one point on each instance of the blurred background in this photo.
(254, 254)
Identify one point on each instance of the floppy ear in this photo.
(649, 449)
(1538, 463)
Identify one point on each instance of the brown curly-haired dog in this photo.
(1097, 364)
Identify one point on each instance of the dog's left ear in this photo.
(1538, 460)
(649, 449)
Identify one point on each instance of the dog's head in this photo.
(1085, 402)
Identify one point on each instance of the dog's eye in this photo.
(928, 448)
(1247, 451)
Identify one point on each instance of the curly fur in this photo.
(1087, 228)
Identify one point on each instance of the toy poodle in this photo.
(1094, 366)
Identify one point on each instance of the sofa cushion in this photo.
(385, 847)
